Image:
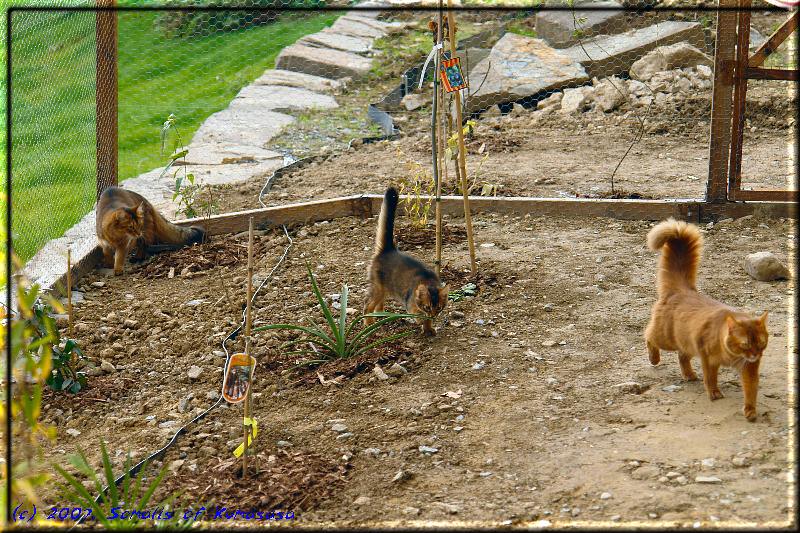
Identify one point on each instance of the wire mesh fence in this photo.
(584, 100)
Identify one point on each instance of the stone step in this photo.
(291, 78)
(558, 28)
(279, 97)
(357, 27)
(614, 54)
(246, 126)
(329, 38)
(329, 63)
(379, 25)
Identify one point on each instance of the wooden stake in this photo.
(247, 325)
(462, 150)
(437, 145)
(69, 292)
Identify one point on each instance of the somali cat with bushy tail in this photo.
(695, 325)
(400, 275)
(127, 221)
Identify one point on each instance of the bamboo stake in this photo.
(69, 293)
(436, 141)
(462, 150)
(247, 325)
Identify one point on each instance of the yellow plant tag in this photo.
(250, 437)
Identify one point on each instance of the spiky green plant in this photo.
(340, 339)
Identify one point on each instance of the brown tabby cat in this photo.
(400, 275)
(126, 220)
(691, 323)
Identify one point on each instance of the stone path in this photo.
(232, 145)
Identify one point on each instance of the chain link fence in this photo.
(564, 99)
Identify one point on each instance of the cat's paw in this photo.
(429, 332)
(750, 413)
(690, 377)
(715, 394)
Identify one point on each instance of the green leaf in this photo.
(85, 499)
(112, 487)
(343, 319)
(178, 155)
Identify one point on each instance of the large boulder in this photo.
(290, 78)
(279, 97)
(561, 28)
(678, 55)
(328, 38)
(324, 62)
(609, 55)
(764, 266)
(519, 67)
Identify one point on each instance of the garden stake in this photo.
(69, 295)
(436, 144)
(247, 324)
(462, 151)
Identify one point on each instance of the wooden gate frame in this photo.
(733, 66)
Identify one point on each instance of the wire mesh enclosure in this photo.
(584, 99)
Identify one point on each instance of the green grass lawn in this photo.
(54, 102)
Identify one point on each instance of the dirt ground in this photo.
(553, 413)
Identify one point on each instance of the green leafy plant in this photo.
(340, 339)
(420, 183)
(186, 192)
(130, 495)
(470, 289)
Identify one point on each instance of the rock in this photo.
(343, 436)
(605, 496)
(334, 64)
(400, 476)
(428, 449)
(707, 479)
(186, 403)
(457, 315)
(130, 323)
(448, 507)
(379, 373)
(646, 472)
(517, 110)
(329, 38)
(98, 284)
(551, 101)
(194, 372)
(396, 370)
(549, 343)
(356, 27)
(362, 500)
(478, 366)
(339, 428)
(73, 432)
(241, 126)
(740, 461)
(212, 395)
(764, 266)
(709, 462)
(575, 100)
(410, 510)
(756, 39)
(559, 28)
(176, 464)
(518, 67)
(672, 388)
(301, 80)
(548, 307)
(609, 55)
(609, 94)
(679, 55)
(413, 101)
(374, 452)
(283, 444)
(632, 387)
(107, 367)
(279, 97)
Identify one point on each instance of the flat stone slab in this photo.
(614, 54)
(380, 25)
(558, 27)
(518, 67)
(357, 27)
(247, 126)
(290, 78)
(228, 154)
(329, 38)
(276, 97)
(329, 63)
(234, 173)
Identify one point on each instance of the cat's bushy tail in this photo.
(384, 239)
(680, 244)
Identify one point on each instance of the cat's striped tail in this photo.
(680, 244)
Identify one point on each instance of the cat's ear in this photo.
(443, 292)
(140, 211)
(732, 323)
(421, 293)
(763, 318)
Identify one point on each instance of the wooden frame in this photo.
(733, 67)
(106, 83)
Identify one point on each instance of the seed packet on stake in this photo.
(238, 377)
(452, 76)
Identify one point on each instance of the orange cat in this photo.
(126, 220)
(397, 274)
(694, 325)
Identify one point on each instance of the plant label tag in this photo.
(452, 76)
(238, 377)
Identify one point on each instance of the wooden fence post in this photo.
(106, 96)
(722, 103)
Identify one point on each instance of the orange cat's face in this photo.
(747, 338)
(430, 300)
(128, 222)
